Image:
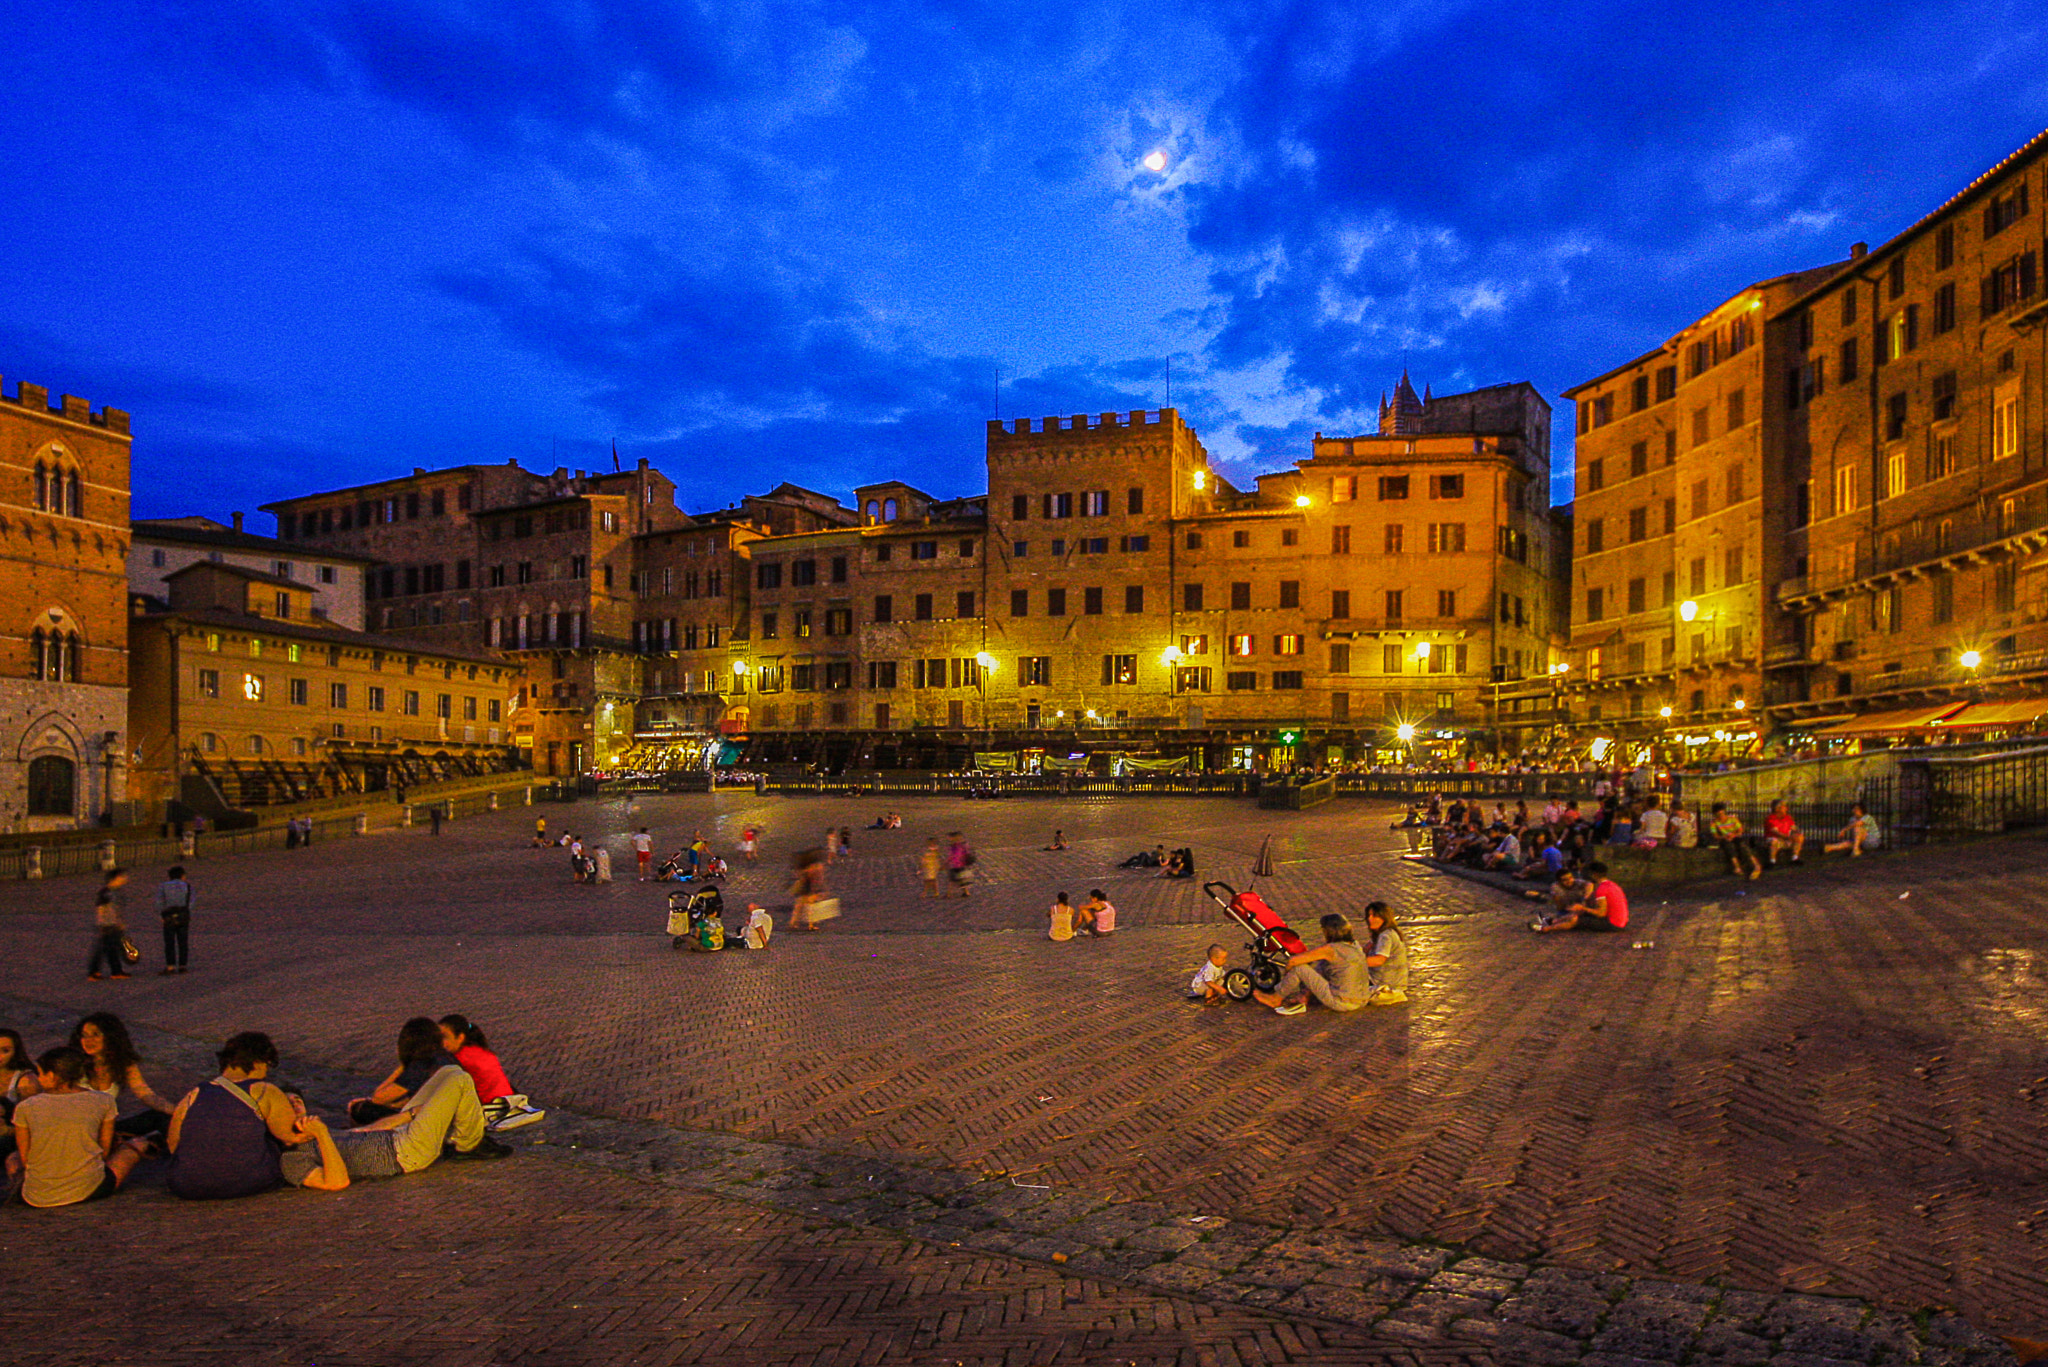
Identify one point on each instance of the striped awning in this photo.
(1984, 716)
(1892, 723)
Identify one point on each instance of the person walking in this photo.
(110, 928)
(807, 889)
(174, 905)
(434, 817)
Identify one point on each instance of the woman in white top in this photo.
(111, 1064)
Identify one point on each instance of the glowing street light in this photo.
(1201, 480)
(1688, 610)
(1405, 732)
(1560, 669)
(1301, 500)
(1170, 656)
(1664, 711)
(1970, 659)
(985, 660)
(1422, 650)
(739, 667)
(1742, 704)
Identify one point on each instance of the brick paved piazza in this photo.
(1805, 1085)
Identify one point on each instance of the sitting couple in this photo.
(1353, 975)
(240, 1134)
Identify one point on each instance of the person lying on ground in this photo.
(420, 1056)
(66, 1149)
(442, 1118)
(1605, 909)
(1344, 985)
(227, 1137)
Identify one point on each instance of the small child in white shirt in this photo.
(759, 926)
(1206, 986)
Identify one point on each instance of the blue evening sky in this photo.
(318, 243)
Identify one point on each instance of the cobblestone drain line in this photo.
(1415, 1292)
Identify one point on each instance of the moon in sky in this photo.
(1156, 162)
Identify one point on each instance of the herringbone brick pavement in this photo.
(530, 1261)
(1806, 1083)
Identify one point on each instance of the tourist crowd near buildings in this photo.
(1820, 509)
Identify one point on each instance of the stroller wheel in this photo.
(678, 941)
(1238, 985)
(1265, 976)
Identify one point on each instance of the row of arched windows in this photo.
(54, 656)
(59, 490)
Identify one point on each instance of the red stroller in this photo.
(1272, 941)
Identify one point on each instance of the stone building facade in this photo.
(1916, 471)
(1875, 568)
(241, 696)
(160, 547)
(63, 630)
(1679, 525)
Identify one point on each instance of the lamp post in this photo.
(986, 664)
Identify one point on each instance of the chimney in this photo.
(238, 521)
(1858, 250)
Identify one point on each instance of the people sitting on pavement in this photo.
(442, 1117)
(17, 1080)
(1683, 827)
(1545, 861)
(1060, 918)
(1059, 841)
(1782, 833)
(112, 1064)
(1856, 837)
(1096, 917)
(1506, 854)
(1206, 986)
(1621, 830)
(1414, 825)
(1605, 909)
(759, 928)
(227, 1136)
(420, 1055)
(1386, 957)
(1180, 864)
(504, 1109)
(66, 1147)
(1725, 829)
(1653, 827)
(1344, 985)
(1146, 859)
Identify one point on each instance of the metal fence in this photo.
(1458, 783)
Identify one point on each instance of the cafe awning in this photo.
(1985, 716)
(1892, 723)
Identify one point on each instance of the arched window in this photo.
(71, 658)
(874, 510)
(255, 745)
(52, 786)
(36, 668)
(209, 742)
(74, 495)
(889, 511)
(42, 487)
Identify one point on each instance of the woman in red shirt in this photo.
(504, 1109)
(1606, 909)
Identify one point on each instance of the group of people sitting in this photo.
(1093, 919)
(1178, 863)
(240, 1133)
(1565, 836)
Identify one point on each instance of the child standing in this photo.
(928, 864)
(1206, 986)
(65, 1138)
(750, 839)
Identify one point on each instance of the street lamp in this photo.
(1665, 711)
(1688, 610)
(1201, 480)
(1301, 500)
(987, 665)
(1970, 659)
